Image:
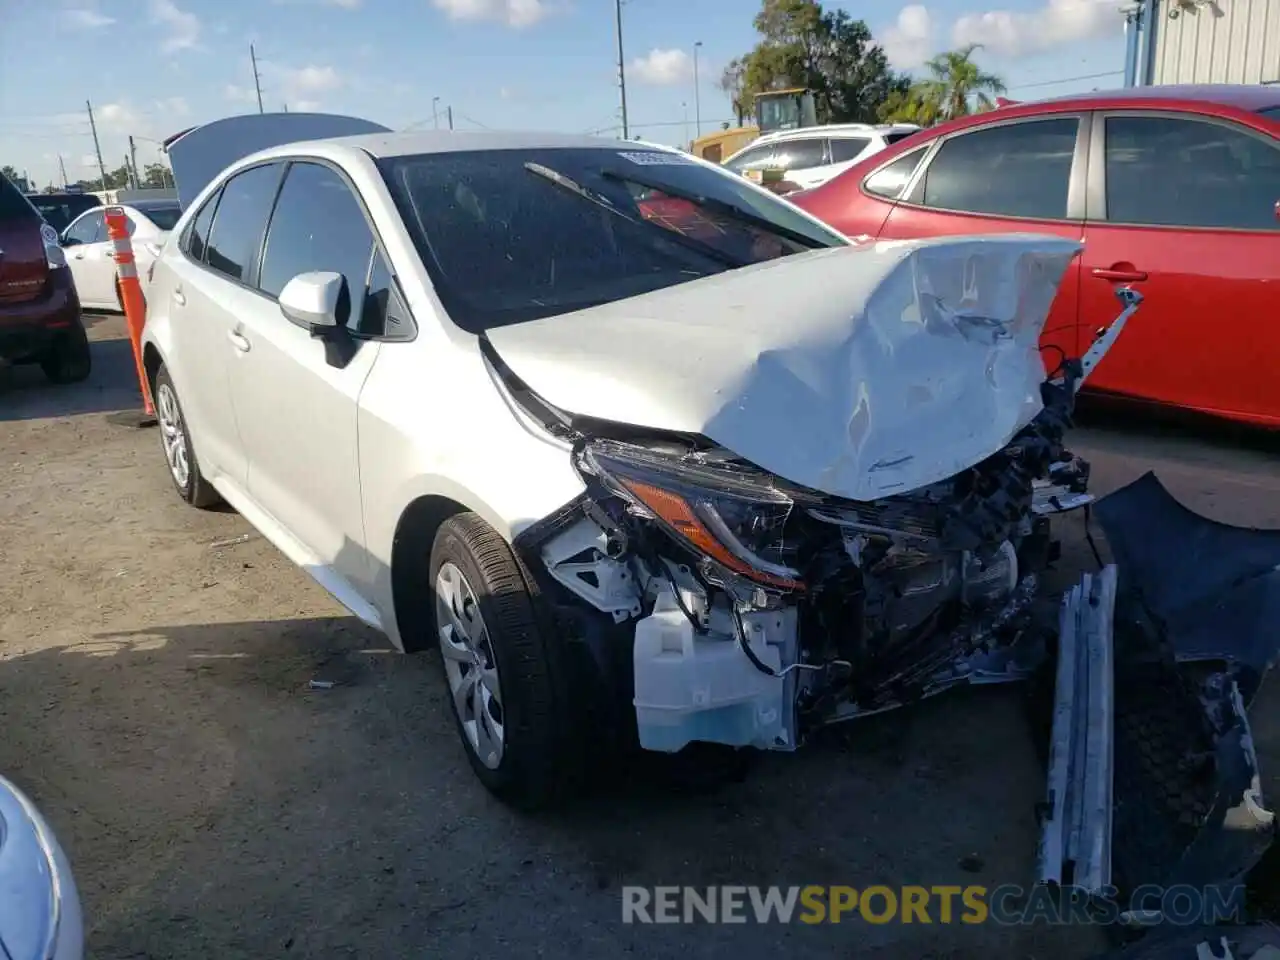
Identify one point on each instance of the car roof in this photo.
(409, 143)
(1240, 95)
(837, 130)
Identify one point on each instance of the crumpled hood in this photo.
(860, 372)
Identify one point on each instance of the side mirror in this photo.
(318, 301)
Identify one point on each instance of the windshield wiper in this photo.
(730, 210)
(572, 186)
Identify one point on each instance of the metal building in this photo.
(1203, 41)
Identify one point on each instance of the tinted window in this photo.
(13, 205)
(503, 243)
(165, 218)
(91, 228)
(1270, 112)
(236, 234)
(318, 225)
(846, 148)
(800, 154)
(1176, 172)
(753, 158)
(890, 181)
(382, 313)
(59, 210)
(895, 137)
(1014, 170)
(197, 240)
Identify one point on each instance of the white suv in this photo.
(638, 447)
(813, 155)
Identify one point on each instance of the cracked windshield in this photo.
(520, 477)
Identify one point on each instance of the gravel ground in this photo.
(154, 672)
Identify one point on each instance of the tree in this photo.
(830, 53)
(955, 87)
(156, 175)
(10, 173)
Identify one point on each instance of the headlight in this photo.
(724, 514)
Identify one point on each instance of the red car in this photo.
(1175, 190)
(39, 309)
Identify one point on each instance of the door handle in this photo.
(79, 256)
(179, 297)
(1120, 276)
(239, 341)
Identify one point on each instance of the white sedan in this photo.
(90, 254)
(643, 451)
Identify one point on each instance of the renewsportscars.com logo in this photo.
(1008, 904)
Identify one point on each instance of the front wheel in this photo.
(68, 359)
(506, 688)
(175, 440)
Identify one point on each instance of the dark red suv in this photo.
(39, 310)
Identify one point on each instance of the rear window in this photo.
(165, 218)
(895, 137)
(1273, 112)
(13, 205)
(60, 209)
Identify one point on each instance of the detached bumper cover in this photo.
(1153, 777)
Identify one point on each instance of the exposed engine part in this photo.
(582, 560)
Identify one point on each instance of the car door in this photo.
(297, 410)
(206, 295)
(1183, 208)
(1024, 175)
(91, 257)
(842, 153)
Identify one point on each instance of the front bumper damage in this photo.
(728, 606)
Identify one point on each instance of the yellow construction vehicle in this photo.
(774, 110)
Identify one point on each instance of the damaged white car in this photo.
(639, 447)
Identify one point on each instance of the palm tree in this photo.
(956, 84)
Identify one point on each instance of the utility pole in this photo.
(133, 161)
(697, 99)
(622, 71)
(97, 149)
(449, 110)
(62, 168)
(257, 80)
(435, 113)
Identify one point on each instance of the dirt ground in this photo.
(154, 670)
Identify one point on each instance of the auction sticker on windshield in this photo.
(652, 158)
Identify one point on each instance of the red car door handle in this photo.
(1120, 276)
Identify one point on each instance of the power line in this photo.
(1052, 83)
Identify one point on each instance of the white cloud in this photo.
(299, 87)
(308, 79)
(117, 115)
(88, 18)
(1016, 33)
(305, 106)
(514, 13)
(183, 26)
(909, 41)
(662, 67)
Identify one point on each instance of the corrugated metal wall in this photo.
(1219, 41)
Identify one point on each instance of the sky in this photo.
(153, 67)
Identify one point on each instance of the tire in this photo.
(68, 359)
(189, 482)
(538, 763)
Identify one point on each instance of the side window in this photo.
(91, 228)
(753, 158)
(196, 242)
(800, 154)
(1013, 170)
(846, 148)
(1169, 171)
(318, 225)
(889, 181)
(383, 314)
(892, 138)
(236, 234)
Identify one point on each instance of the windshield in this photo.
(514, 235)
(165, 218)
(59, 210)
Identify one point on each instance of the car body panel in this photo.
(859, 372)
(40, 913)
(23, 267)
(93, 264)
(1192, 275)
